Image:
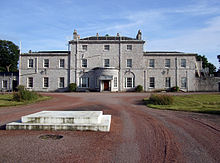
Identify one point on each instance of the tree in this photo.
(9, 56)
(206, 64)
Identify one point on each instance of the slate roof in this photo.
(108, 38)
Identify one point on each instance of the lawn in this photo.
(6, 100)
(204, 103)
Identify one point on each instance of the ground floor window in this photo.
(183, 82)
(30, 82)
(4, 84)
(129, 82)
(115, 82)
(46, 82)
(167, 82)
(84, 82)
(61, 82)
(152, 82)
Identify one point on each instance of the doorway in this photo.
(14, 85)
(106, 85)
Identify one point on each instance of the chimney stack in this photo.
(139, 35)
(118, 34)
(75, 36)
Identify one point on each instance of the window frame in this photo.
(129, 47)
(46, 85)
(28, 82)
(152, 83)
(115, 82)
(29, 63)
(167, 64)
(61, 62)
(47, 63)
(84, 64)
(167, 82)
(152, 64)
(84, 85)
(84, 47)
(129, 65)
(3, 84)
(184, 79)
(108, 64)
(130, 82)
(106, 47)
(63, 82)
(183, 63)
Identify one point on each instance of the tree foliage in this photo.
(9, 56)
(206, 64)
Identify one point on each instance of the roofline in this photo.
(164, 53)
(47, 53)
(107, 41)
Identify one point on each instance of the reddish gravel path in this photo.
(138, 133)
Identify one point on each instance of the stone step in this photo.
(63, 117)
(104, 125)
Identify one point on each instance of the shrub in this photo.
(24, 95)
(161, 99)
(175, 89)
(139, 88)
(72, 87)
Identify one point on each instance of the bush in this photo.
(24, 95)
(161, 99)
(139, 88)
(72, 87)
(175, 89)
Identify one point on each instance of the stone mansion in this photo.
(108, 63)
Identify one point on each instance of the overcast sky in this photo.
(166, 25)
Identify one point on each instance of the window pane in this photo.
(183, 62)
(31, 63)
(30, 82)
(84, 82)
(129, 82)
(152, 83)
(183, 82)
(151, 63)
(61, 84)
(84, 47)
(167, 62)
(129, 47)
(84, 62)
(46, 63)
(129, 62)
(115, 82)
(167, 82)
(62, 62)
(106, 47)
(4, 85)
(46, 82)
(106, 64)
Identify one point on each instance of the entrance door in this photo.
(14, 85)
(106, 85)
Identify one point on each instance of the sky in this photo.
(191, 26)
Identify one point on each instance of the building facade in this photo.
(108, 63)
(9, 81)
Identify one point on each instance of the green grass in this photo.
(6, 100)
(205, 103)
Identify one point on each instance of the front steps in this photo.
(63, 120)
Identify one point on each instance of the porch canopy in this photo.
(106, 77)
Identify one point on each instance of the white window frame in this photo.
(45, 83)
(152, 82)
(183, 63)
(115, 82)
(126, 82)
(167, 63)
(3, 84)
(84, 47)
(129, 47)
(28, 82)
(29, 63)
(183, 82)
(151, 63)
(48, 63)
(168, 82)
(106, 47)
(81, 84)
(108, 64)
(59, 83)
(84, 63)
(129, 63)
(60, 66)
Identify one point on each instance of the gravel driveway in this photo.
(138, 133)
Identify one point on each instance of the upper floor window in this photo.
(151, 63)
(106, 63)
(183, 62)
(30, 82)
(62, 63)
(167, 62)
(46, 63)
(84, 47)
(152, 82)
(129, 47)
(30, 63)
(129, 62)
(84, 62)
(106, 47)
(46, 82)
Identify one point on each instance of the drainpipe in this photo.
(119, 73)
(144, 80)
(176, 75)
